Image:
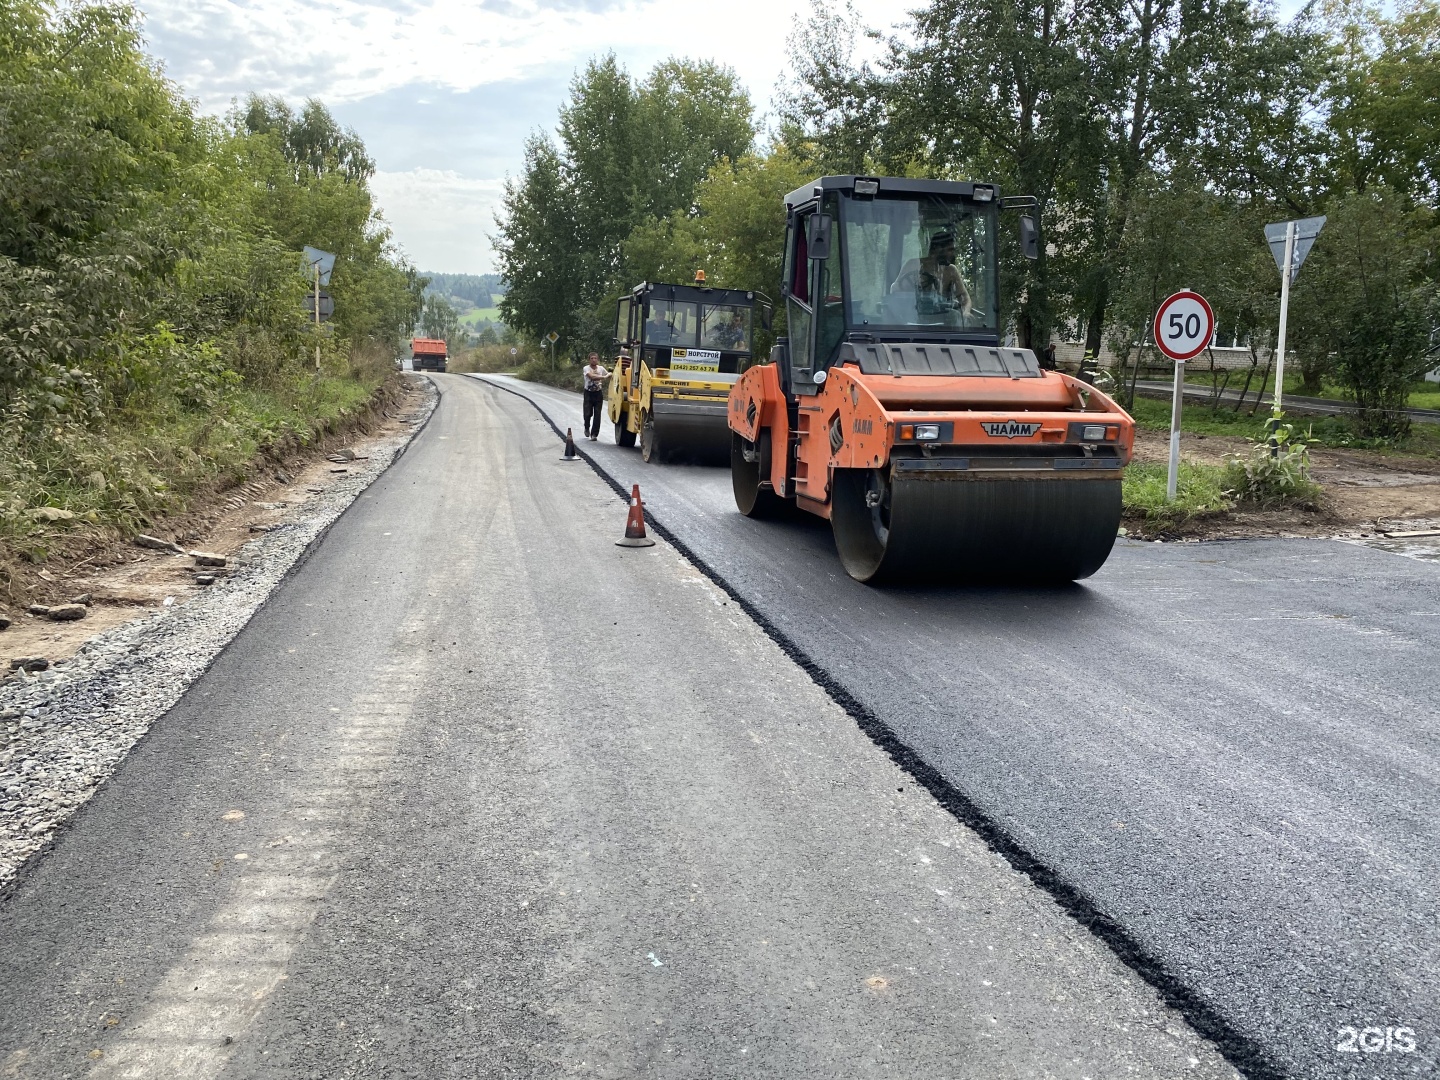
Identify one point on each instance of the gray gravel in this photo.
(65, 729)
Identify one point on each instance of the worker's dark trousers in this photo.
(594, 406)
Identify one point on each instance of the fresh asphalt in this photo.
(1225, 756)
(478, 793)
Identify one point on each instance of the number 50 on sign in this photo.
(1184, 325)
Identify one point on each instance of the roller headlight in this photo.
(927, 432)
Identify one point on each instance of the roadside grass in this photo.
(1336, 432)
(1199, 492)
(74, 486)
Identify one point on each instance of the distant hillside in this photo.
(466, 291)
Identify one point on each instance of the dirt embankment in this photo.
(1365, 492)
(119, 580)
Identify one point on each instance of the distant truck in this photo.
(428, 354)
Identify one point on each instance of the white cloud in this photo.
(369, 60)
(441, 220)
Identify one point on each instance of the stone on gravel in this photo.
(207, 558)
(38, 609)
(204, 579)
(4, 620)
(159, 545)
(29, 663)
(283, 477)
(83, 598)
(67, 613)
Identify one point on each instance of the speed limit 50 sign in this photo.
(1184, 325)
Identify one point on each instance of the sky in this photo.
(444, 92)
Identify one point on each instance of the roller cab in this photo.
(681, 349)
(893, 411)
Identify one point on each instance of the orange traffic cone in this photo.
(635, 524)
(570, 452)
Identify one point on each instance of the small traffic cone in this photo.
(570, 452)
(635, 524)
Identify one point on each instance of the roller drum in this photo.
(693, 433)
(973, 528)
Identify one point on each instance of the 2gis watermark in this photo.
(1351, 1039)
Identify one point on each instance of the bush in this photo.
(489, 358)
(1274, 476)
(564, 375)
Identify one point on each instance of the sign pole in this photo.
(1278, 396)
(1183, 328)
(1172, 479)
(317, 318)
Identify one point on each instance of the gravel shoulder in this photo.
(150, 632)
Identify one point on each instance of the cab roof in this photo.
(887, 185)
(701, 293)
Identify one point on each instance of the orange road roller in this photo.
(893, 410)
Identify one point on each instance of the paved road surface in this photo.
(480, 794)
(1230, 751)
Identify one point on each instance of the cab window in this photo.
(725, 326)
(672, 322)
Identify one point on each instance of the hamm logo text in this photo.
(1010, 429)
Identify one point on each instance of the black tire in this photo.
(623, 435)
(1013, 531)
(752, 498)
(650, 445)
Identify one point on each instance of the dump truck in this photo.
(893, 409)
(428, 354)
(681, 348)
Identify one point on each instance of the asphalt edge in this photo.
(23, 871)
(1239, 1050)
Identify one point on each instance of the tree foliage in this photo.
(631, 156)
(150, 260)
(1159, 136)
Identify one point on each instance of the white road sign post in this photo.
(1290, 242)
(321, 264)
(1183, 328)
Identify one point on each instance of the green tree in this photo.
(629, 155)
(440, 318)
(535, 245)
(1367, 302)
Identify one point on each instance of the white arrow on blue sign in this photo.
(1306, 230)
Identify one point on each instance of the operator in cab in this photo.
(935, 280)
(731, 335)
(657, 330)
